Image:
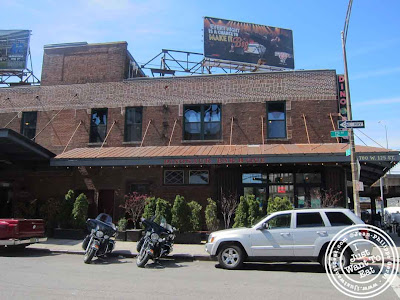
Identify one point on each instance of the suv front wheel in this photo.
(230, 257)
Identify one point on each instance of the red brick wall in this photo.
(243, 97)
(83, 64)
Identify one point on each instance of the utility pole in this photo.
(353, 156)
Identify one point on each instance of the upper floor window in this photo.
(133, 124)
(276, 120)
(202, 122)
(98, 125)
(28, 124)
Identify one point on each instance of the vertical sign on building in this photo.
(342, 101)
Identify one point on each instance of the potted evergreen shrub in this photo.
(183, 218)
(121, 234)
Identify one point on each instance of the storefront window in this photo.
(174, 177)
(198, 177)
(282, 191)
(280, 178)
(256, 178)
(308, 197)
(308, 178)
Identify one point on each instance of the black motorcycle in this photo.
(157, 241)
(100, 240)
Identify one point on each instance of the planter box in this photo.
(121, 236)
(188, 238)
(71, 234)
(133, 235)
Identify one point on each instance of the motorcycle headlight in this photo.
(154, 237)
(99, 234)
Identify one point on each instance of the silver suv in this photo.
(293, 235)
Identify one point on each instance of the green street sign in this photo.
(348, 152)
(339, 133)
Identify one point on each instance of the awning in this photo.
(15, 148)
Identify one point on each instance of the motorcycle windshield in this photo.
(105, 218)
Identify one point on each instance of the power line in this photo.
(371, 138)
(360, 139)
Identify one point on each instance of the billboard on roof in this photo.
(14, 45)
(248, 43)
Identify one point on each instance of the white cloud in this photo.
(376, 73)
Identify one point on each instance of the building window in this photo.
(198, 177)
(202, 122)
(276, 120)
(186, 177)
(28, 124)
(174, 177)
(133, 124)
(98, 125)
(140, 188)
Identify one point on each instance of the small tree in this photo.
(66, 208)
(241, 214)
(254, 212)
(150, 208)
(163, 210)
(181, 214)
(49, 212)
(212, 221)
(134, 206)
(195, 216)
(278, 204)
(80, 210)
(330, 198)
(228, 207)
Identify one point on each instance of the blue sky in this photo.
(373, 42)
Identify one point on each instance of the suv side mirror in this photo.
(263, 226)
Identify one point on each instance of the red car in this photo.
(15, 232)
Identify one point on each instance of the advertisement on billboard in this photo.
(14, 45)
(248, 43)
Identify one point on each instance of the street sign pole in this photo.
(354, 167)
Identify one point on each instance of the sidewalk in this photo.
(126, 249)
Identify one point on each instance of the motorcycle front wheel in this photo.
(143, 257)
(88, 255)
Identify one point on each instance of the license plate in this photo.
(33, 240)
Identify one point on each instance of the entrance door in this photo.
(106, 202)
(5, 203)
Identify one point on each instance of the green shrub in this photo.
(181, 214)
(195, 216)
(150, 208)
(80, 210)
(163, 210)
(278, 204)
(254, 212)
(122, 223)
(241, 214)
(66, 207)
(212, 221)
(49, 211)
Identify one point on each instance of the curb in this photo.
(128, 254)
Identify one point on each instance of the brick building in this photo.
(104, 133)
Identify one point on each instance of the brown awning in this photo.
(217, 154)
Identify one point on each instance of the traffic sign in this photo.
(339, 133)
(351, 124)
